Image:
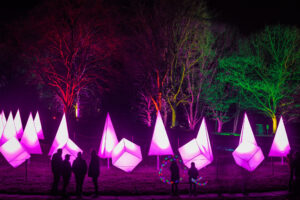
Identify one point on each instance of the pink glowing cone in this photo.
(38, 126)
(9, 130)
(29, 139)
(126, 155)
(63, 141)
(109, 139)
(3, 118)
(204, 142)
(1, 127)
(247, 155)
(14, 152)
(18, 125)
(280, 146)
(160, 144)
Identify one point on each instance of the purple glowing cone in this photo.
(160, 144)
(9, 130)
(109, 139)
(29, 139)
(38, 126)
(18, 125)
(280, 146)
(3, 118)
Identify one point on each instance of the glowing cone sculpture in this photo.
(198, 150)
(14, 152)
(1, 127)
(29, 139)
(3, 118)
(38, 126)
(280, 146)
(247, 155)
(62, 141)
(9, 130)
(18, 125)
(126, 155)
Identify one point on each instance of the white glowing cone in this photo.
(9, 130)
(38, 126)
(18, 125)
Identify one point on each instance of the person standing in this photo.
(193, 175)
(56, 164)
(290, 161)
(79, 169)
(94, 170)
(66, 172)
(174, 177)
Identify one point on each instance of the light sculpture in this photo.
(280, 146)
(197, 150)
(14, 152)
(126, 155)
(247, 155)
(1, 127)
(29, 139)
(9, 130)
(3, 118)
(62, 141)
(18, 125)
(38, 126)
(109, 140)
(160, 144)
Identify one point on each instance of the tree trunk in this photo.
(173, 117)
(274, 120)
(236, 121)
(220, 125)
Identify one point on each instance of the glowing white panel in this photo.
(14, 152)
(29, 139)
(126, 155)
(248, 156)
(280, 146)
(160, 144)
(204, 142)
(61, 137)
(109, 139)
(9, 130)
(247, 133)
(18, 125)
(38, 126)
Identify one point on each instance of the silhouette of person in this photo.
(174, 177)
(66, 172)
(291, 163)
(94, 170)
(193, 175)
(79, 168)
(297, 173)
(56, 164)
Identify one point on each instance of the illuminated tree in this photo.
(266, 70)
(69, 56)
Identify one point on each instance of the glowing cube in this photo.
(29, 139)
(18, 125)
(247, 155)
(38, 126)
(63, 141)
(197, 150)
(14, 152)
(126, 155)
(280, 146)
(9, 130)
(109, 139)
(160, 144)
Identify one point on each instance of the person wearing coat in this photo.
(94, 170)
(79, 169)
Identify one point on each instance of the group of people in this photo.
(63, 168)
(175, 178)
(293, 160)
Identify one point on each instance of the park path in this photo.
(275, 195)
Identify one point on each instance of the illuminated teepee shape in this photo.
(247, 155)
(63, 141)
(126, 155)
(14, 152)
(18, 125)
(160, 144)
(38, 126)
(1, 127)
(109, 139)
(3, 118)
(204, 142)
(9, 130)
(29, 139)
(280, 146)
(247, 133)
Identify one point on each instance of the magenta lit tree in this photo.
(160, 144)
(109, 140)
